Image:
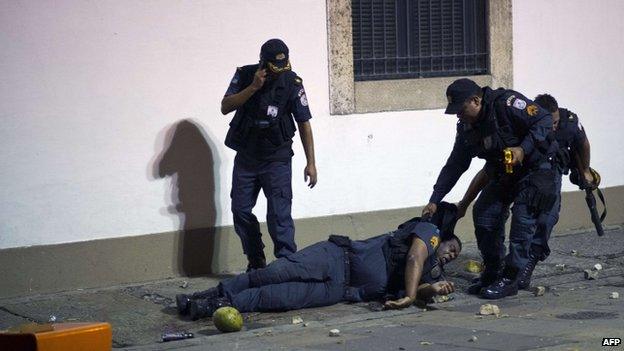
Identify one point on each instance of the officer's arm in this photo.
(234, 101)
(413, 271)
(581, 147)
(457, 163)
(305, 132)
(539, 124)
(477, 184)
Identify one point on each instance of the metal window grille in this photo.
(404, 39)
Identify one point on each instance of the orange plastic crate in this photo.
(63, 337)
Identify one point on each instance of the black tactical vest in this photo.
(263, 124)
(396, 250)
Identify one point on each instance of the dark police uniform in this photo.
(261, 132)
(335, 270)
(509, 120)
(569, 135)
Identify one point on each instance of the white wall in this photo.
(574, 50)
(90, 93)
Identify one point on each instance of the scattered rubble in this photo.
(426, 343)
(473, 338)
(614, 295)
(442, 298)
(297, 320)
(560, 266)
(334, 332)
(539, 290)
(184, 284)
(597, 267)
(473, 266)
(574, 253)
(590, 275)
(489, 309)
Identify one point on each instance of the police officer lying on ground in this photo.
(266, 97)
(491, 121)
(572, 152)
(402, 265)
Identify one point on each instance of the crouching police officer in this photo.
(399, 266)
(490, 123)
(266, 97)
(573, 153)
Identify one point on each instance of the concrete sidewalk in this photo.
(574, 313)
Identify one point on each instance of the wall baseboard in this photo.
(52, 268)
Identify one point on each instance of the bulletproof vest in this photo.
(568, 124)
(263, 124)
(396, 250)
(487, 138)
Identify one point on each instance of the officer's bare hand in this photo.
(309, 172)
(518, 155)
(462, 207)
(259, 79)
(443, 288)
(429, 210)
(400, 303)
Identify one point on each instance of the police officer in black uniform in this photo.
(573, 153)
(398, 267)
(266, 97)
(491, 121)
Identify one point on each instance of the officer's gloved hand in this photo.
(429, 210)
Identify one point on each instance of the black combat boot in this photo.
(255, 263)
(488, 276)
(202, 308)
(524, 277)
(506, 285)
(183, 300)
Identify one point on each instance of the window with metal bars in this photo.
(405, 39)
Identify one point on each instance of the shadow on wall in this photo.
(188, 159)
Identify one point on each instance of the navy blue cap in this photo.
(275, 52)
(458, 92)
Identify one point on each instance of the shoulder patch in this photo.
(532, 110)
(519, 104)
(298, 80)
(510, 99)
(434, 241)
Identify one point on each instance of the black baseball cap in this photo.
(275, 52)
(458, 92)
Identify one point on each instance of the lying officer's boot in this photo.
(202, 308)
(255, 263)
(524, 277)
(183, 300)
(488, 277)
(507, 285)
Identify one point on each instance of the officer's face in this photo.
(448, 251)
(555, 119)
(471, 110)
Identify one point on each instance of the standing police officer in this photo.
(266, 97)
(491, 121)
(573, 153)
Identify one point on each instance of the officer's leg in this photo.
(539, 249)
(490, 214)
(312, 264)
(276, 184)
(312, 277)
(545, 224)
(289, 296)
(245, 189)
